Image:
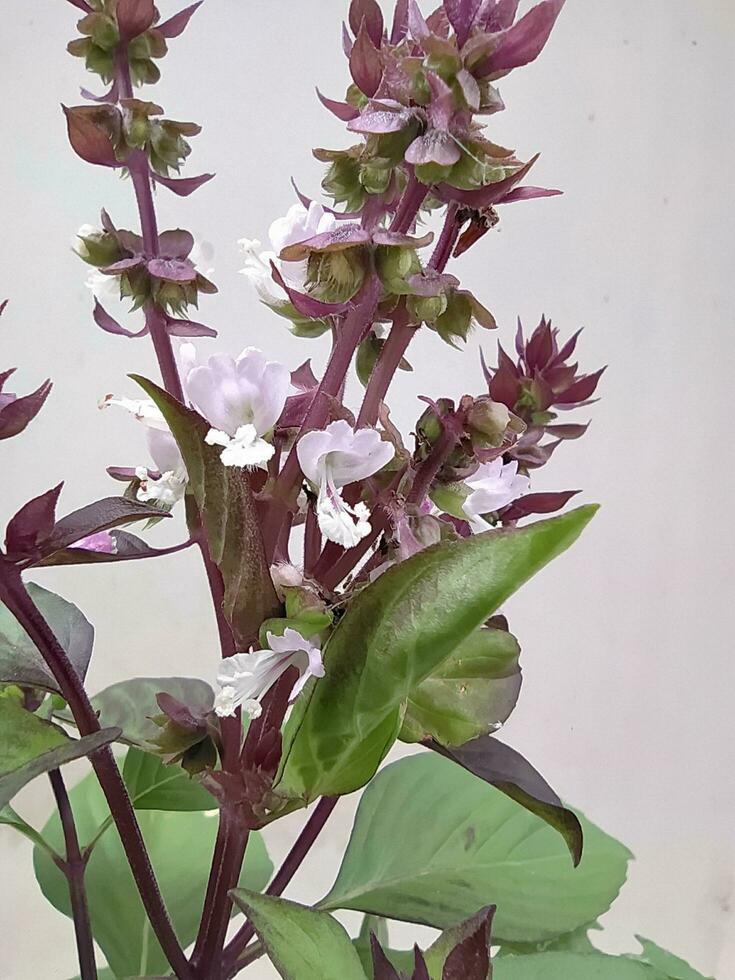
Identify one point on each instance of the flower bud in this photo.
(335, 277)
(394, 266)
(429, 427)
(427, 309)
(98, 248)
(491, 423)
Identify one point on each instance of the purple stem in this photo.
(312, 539)
(413, 197)
(439, 454)
(73, 868)
(16, 598)
(304, 843)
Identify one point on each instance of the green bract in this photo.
(394, 635)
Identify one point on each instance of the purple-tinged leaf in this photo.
(303, 377)
(570, 431)
(383, 969)
(441, 107)
(17, 414)
(470, 89)
(103, 515)
(108, 323)
(431, 283)
(110, 96)
(175, 244)
(122, 473)
(538, 503)
(347, 43)
(580, 391)
(346, 236)
(400, 22)
(123, 265)
(461, 15)
(488, 195)
(420, 969)
(525, 41)
(508, 771)
(188, 328)
(342, 110)
(182, 186)
(128, 547)
(470, 958)
(529, 194)
(4, 375)
(134, 17)
(81, 5)
(33, 524)
(497, 15)
(417, 26)
(88, 136)
(172, 270)
(382, 236)
(176, 25)
(367, 12)
(365, 64)
(304, 304)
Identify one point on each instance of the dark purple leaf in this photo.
(307, 305)
(342, 110)
(175, 244)
(529, 194)
(525, 41)
(182, 186)
(581, 390)
(571, 431)
(88, 135)
(188, 328)
(470, 958)
(33, 523)
(497, 15)
(177, 24)
(180, 713)
(365, 64)
(400, 22)
(134, 17)
(102, 515)
(367, 12)
(538, 503)
(383, 969)
(508, 771)
(483, 197)
(103, 319)
(461, 15)
(81, 5)
(128, 547)
(303, 377)
(420, 969)
(347, 44)
(17, 414)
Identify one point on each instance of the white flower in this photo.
(241, 398)
(170, 486)
(285, 576)
(332, 458)
(492, 487)
(202, 255)
(246, 677)
(105, 289)
(298, 225)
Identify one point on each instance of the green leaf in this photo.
(131, 704)
(507, 770)
(300, 941)
(471, 694)
(30, 747)
(432, 844)
(571, 942)
(572, 966)
(672, 966)
(394, 635)
(227, 507)
(180, 846)
(105, 973)
(9, 818)
(153, 785)
(20, 661)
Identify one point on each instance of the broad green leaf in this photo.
(131, 704)
(153, 785)
(104, 973)
(300, 941)
(507, 770)
(180, 846)
(572, 942)
(432, 844)
(471, 694)
(227, 507)
(20, 661)
(396, 633)
(674, 967)
(573, 966)
(30, 747)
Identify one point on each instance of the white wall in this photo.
(627, 700)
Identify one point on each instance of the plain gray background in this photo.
(626, 706)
